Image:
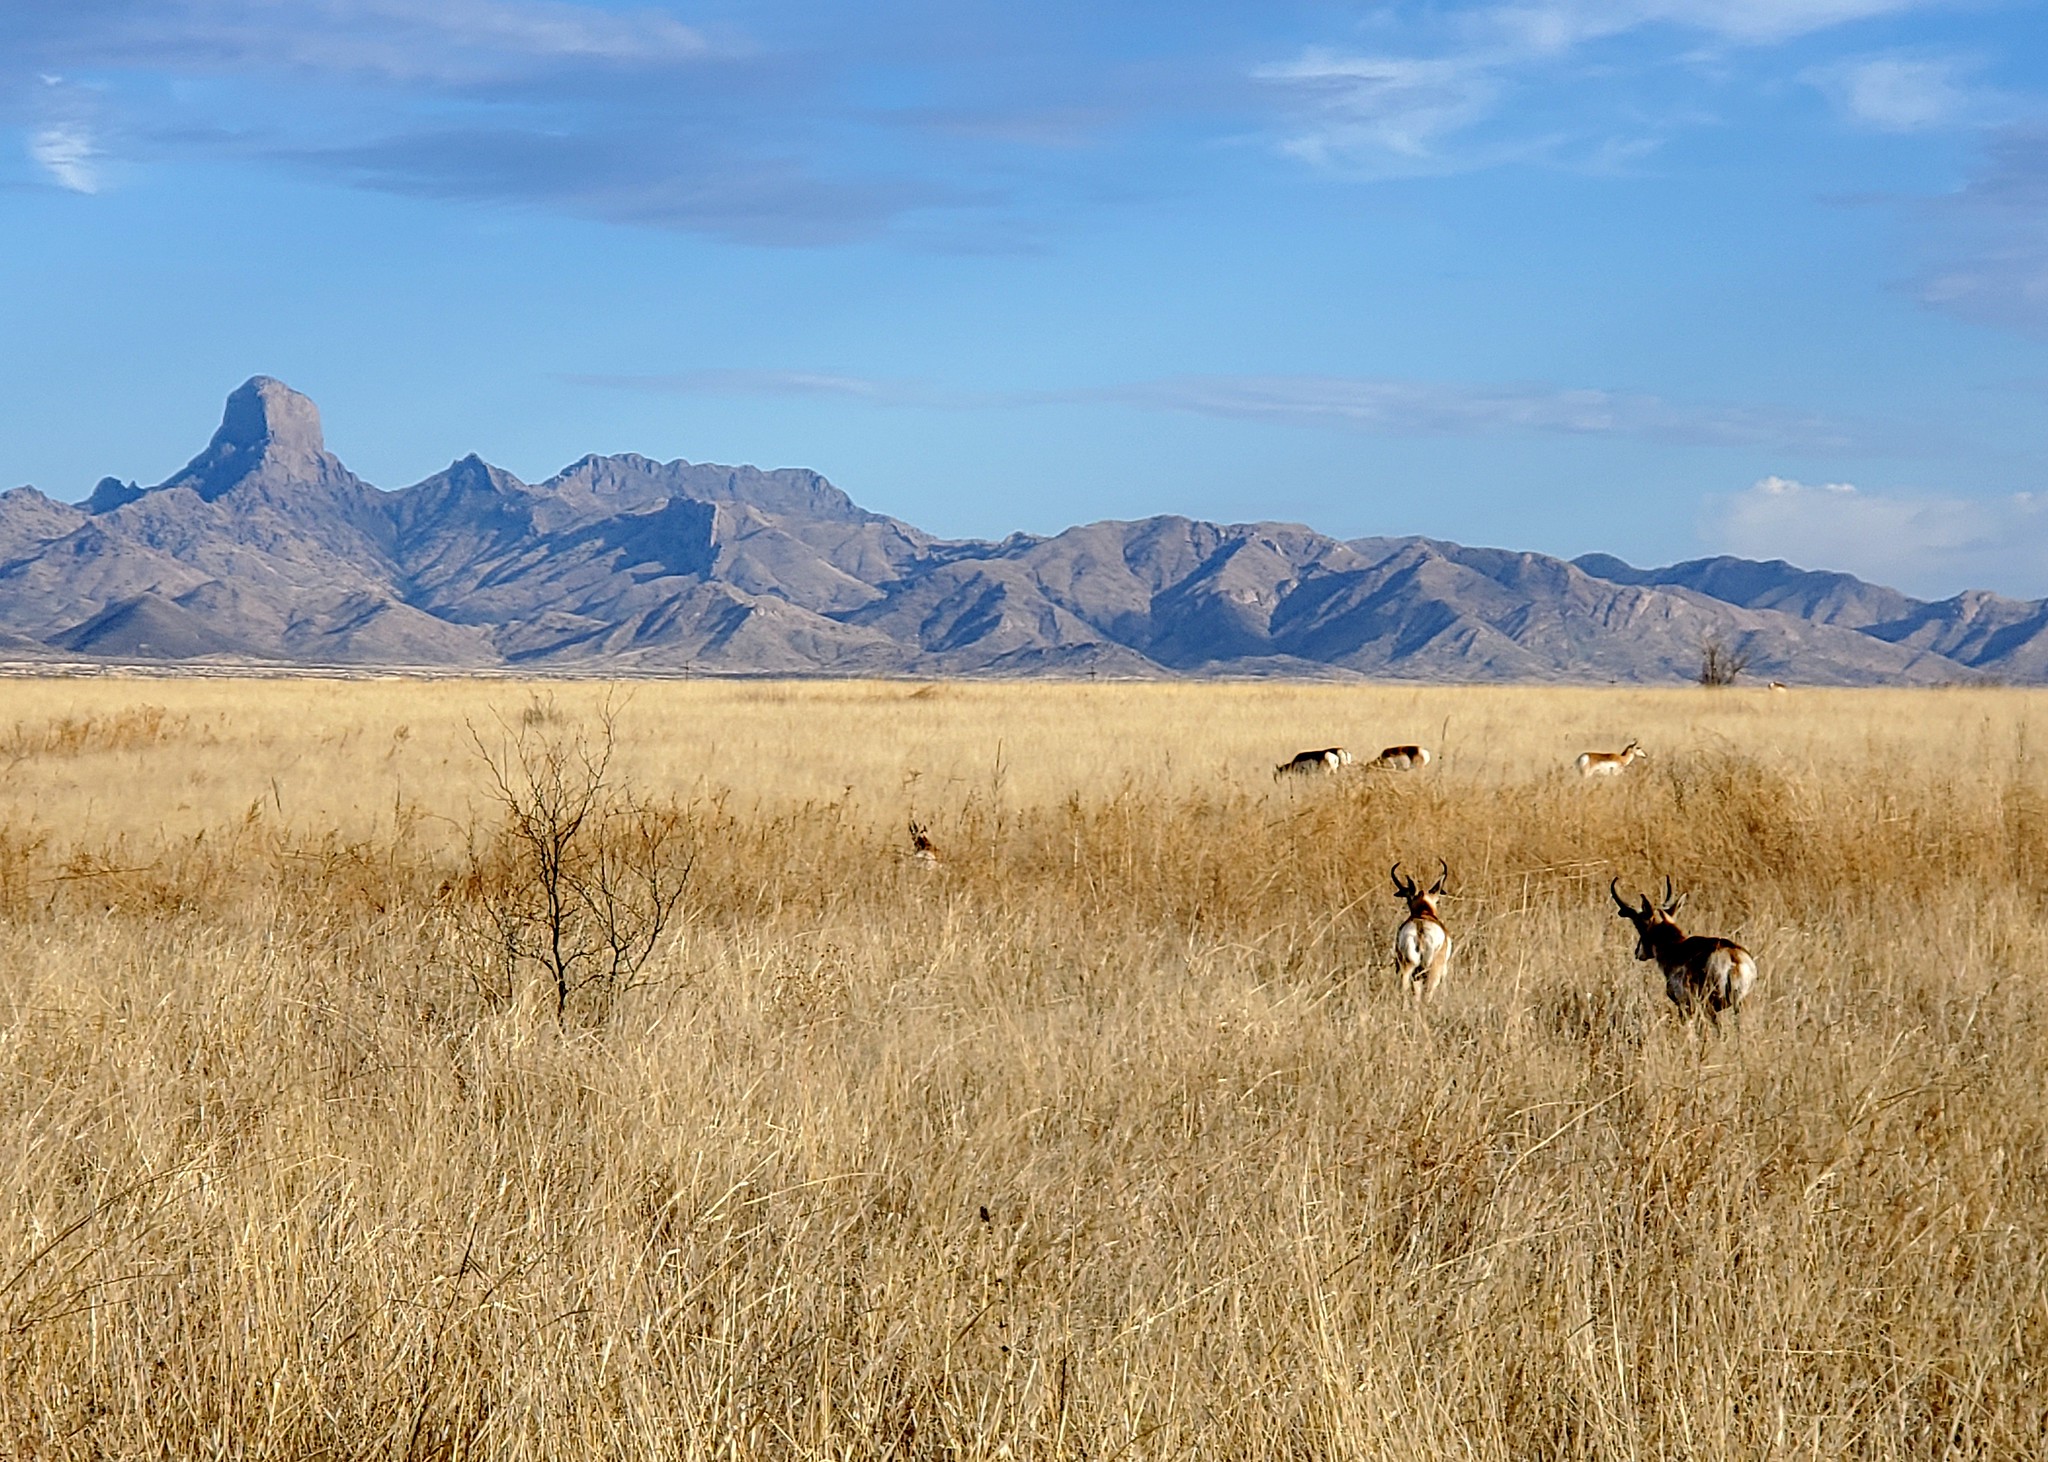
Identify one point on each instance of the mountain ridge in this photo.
(266, 550)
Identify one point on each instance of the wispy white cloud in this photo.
(1435, 408)
(67, 152)
(1376, 407)
(1401, 107)
(1932, 545)
(399, 40)
(1383, 110)
(63, 139)
(1901, 93)
(1991, 238)
(727, 382)
(1557, 25)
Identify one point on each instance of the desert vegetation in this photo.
(330, 1131)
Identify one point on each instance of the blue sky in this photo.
(1652, 277)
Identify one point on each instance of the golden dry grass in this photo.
(1108, 1139)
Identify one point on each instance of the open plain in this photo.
(1105, 1135)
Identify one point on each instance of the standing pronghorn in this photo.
(1422, 946)
(1608, 763)
(1700, 970)
(1402, 758)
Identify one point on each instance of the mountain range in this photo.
(265, 549)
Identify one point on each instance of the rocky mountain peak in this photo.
(264, 414)
(266, 425)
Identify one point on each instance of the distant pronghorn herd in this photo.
(1336, 758)
(1700, 972)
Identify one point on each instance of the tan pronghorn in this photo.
(1329, 759)
(1402, 758)
(1778, 687)
(1608, 763)
(1422, 946)
(923, 850)
(1698, 971)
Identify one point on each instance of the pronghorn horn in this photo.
(1614, 888)
(1403, 887)
(1670, 896)
(1444, 878)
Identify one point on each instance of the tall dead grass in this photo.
(1108, 1139)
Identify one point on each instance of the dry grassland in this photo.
(1108, 1139)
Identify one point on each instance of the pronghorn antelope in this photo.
(922, 848)
(1422, 946)
(1778, 687)
(1608, 763)
(1402, 758)
(1700, 970)
(1329, 759)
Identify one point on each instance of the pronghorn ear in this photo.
(1675, 905)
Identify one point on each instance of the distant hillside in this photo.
(266, 549)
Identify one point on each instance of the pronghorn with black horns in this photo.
(1422, 946)
(1698, 970)
(1608, 763)
(923, 851)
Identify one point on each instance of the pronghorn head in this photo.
(1421, 901)
(1635, 748)
(1649, 918)
(921, 845)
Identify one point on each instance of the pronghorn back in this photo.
(1608, 763)
(1700, 970)
(1402, 758)
(1422, 945)
(1303, 763)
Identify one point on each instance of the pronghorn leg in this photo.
(1432, 976)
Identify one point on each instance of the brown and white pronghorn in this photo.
(1698, 970)
(922, 849)
(1778, 687)
(1402, 758)
(1608, 763)
(1329, 759)
(1422, 946)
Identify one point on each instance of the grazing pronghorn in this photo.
(922, 849)
(1700, 970)
(1422, 946)
(1402, 758)
(1329, 759)
(1608, 763)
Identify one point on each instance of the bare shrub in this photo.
(1721, 662)
(581, 876)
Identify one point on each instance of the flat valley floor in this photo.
(355, 1103)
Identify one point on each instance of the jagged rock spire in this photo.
(266, 424)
